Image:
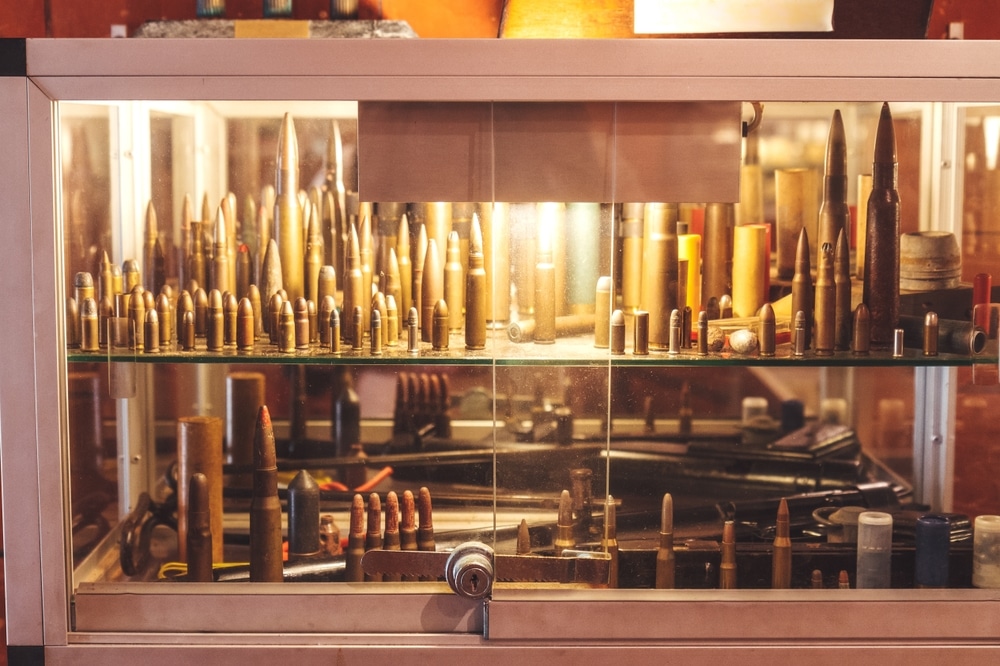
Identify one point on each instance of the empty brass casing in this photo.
(717, 247)
(632, 255)
(602, 313)
(617, 342)
(244, 396)
(796, 208)
(199, 449)
(749, 269)
(660, 270)
(640, 345)
(495, 219)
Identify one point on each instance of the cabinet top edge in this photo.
(501, 58)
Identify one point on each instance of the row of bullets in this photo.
(311, 536)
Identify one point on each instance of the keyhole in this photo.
(474, 581)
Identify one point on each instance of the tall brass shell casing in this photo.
(834, 213)
(717, 250)
(265, 506)
(288, 231)
(658, 293)
(199, 449)
(476, 302)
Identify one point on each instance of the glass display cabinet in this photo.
(415, 349)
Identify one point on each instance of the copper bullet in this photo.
(265, 507)
(391, 538)
(274, 306)
(843, 581)
(609, 540)
(432, 290)
(303, 516)
(930, 336)
(199, 530)
(286, 328)
(475, 291)
(425, 529)
(881, 281)
(151, 332)
(781, 559)
(373, 537)
(842, 287)
(767, 330)
(354, 292)
(136, 317)
(288, 228)
(861, 339)
(665, 559)
(186, 336)
(564, 525)
(199, 449)
(439, 325)
(523, 546)
(230, 316)
(353, 572)
(727, 566)
(825, 303)
(816, 581)
(802, 289)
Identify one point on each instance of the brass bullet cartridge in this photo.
(313, 258)
(186, 336)
(354, 292)
(230, 317)
(270, 279)
(930, 334)
(89, 326)
(674, 346)
(665, 559)
(412, 332)
(379, 305)
(153, 264)
(843, 581)
(166, 315)
(301, 326)
(136, 317)
(781, 559)
(767, 330)
(816, 582)
(419, 257)
(881, 280)
(148, 301)
(609, 540)
(265, 506)
(106, 277)
(151, 332)
(303, 516)
(727, 566)
(391, 538)
(357, 329)
(130, 276)
(335, 335)
(288, 228)
(717, 247)
(425, 528)
(245, 323)
(432, 290)
(376, 333)
(898, 338)
(356, 542)
(439, 335)
(199, 531)
(327, 284)
(861, 339)
(387, 215)
(391, 287)
(391, 321)
(825, 303)
(199, 449)
(326, 308)
(954, 336)
(750, 269)
(799, 335)
(194, 262)
(405, 300)
(545, 288)
(725, 306)
(274, 317)
(631, 229)
(842, 286)
(702, 333)
(286, 328)
(602, 313)
(407, 523)
(476, 295)
(373, 537)
(617, 342)
(83, 288)
(265, 215)
(200, 298)
(454, 283)
(220, 256)
(249, 225)
(640, 343)
(834, 213)
(802, 289)
(564, 525)
(313, 322)
(214, 322)
(686, 316)
(367, 257)
(660, 270)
